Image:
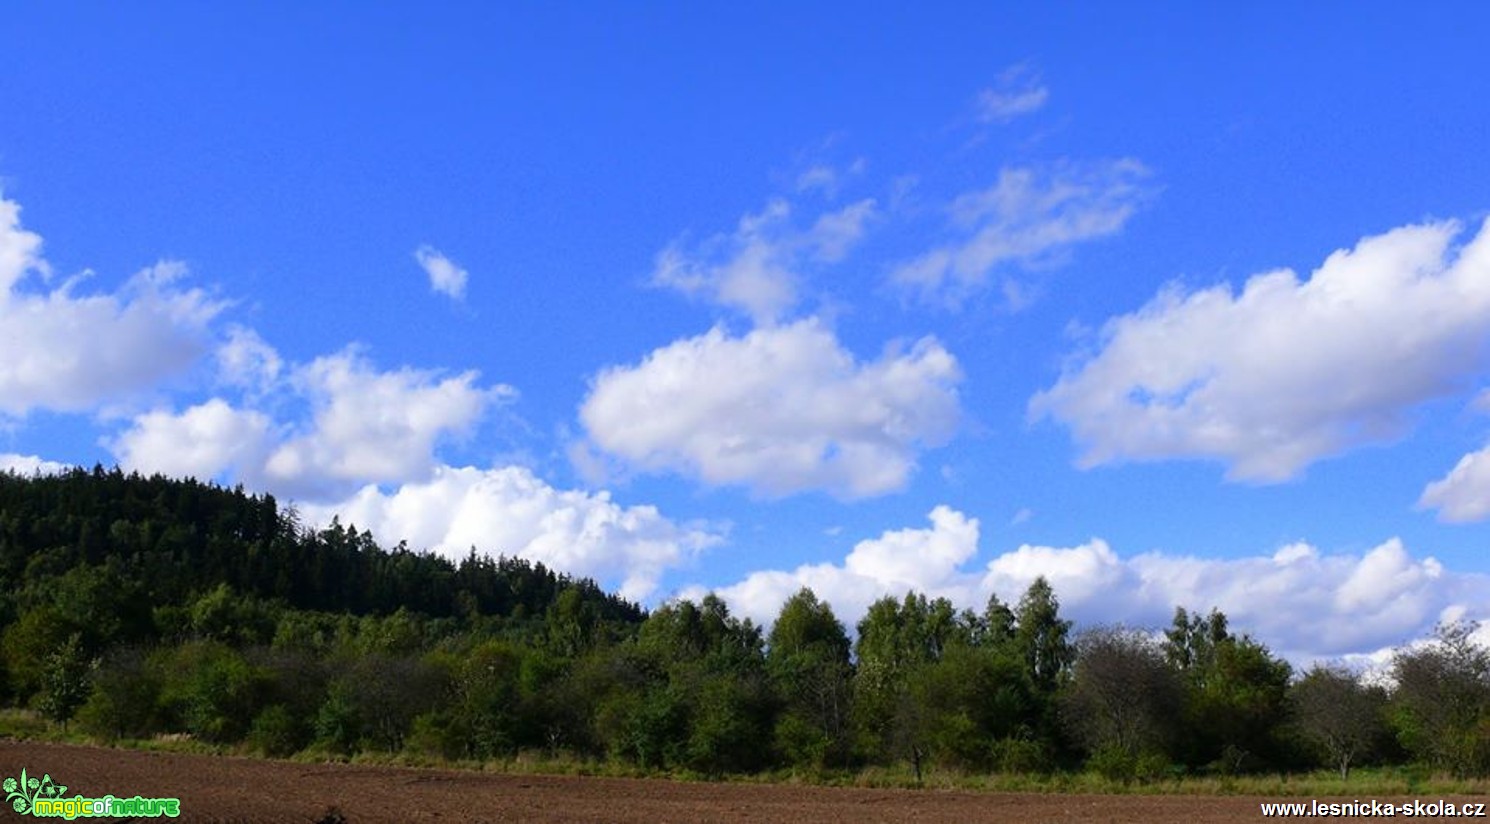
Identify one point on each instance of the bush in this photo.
(800, 743)
(1113, 764)
(123, 702)
(437, 734)
(276, 733)
(337, 726)
(1019, 755)
(212, 690)
(1116, 764)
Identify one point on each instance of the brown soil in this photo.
(223, 789)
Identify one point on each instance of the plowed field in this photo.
(222, 789)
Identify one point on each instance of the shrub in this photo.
(276, 732)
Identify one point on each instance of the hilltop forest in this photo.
(135, 607)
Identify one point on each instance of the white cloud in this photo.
(202, 442)
(780, 410)
(925, 560)
(374, 426)
(29, 465)
(1288, 371)
(20, 250)
(70, 353)
(365, 425)
(246, 361)
(509, 511)
(1030, 217)
(1312, 605)
(1302, 603)
(1463, 495)
(445, 276)
(1018, 92)
(758, 268)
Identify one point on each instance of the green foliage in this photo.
(1236, 706)
(1043, 637)
(488, 702)
(373, 701)
(65, 680)
(1441, 707)
(807, 660)
(898, 641)
(124, 699)
(438, 734)
(29, 642)
(337, 726)
(210, 690)
(221, 615)
(104, 547)
(277, 732)
(709, 707)
(972, 698)
(1020, 756)
(138, 606)
(1119, 764)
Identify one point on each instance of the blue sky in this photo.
(1171, 305)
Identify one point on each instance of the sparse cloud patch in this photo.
(445, 276)
(1018, 92)
(1032, 217)
(758, 269)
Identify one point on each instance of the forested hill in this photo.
(137, 607)
(161, 542)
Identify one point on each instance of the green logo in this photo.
(45, 798)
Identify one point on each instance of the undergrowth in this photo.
(1379, 782)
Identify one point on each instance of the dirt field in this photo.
(245, 790)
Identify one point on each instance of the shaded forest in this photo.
(136, 607)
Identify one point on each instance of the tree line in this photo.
(140, 606)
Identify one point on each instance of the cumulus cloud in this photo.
(927, 560)
(204, 441)
(29, 465)
(1286, 372)
(757, 269)
(375, 425)
(70, 352)
(509, 511)
(445, 276)
(1031, 217)
(1463, 495)
(780, 410)
(1018, 92)
(1303, 603)
(365, 425)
